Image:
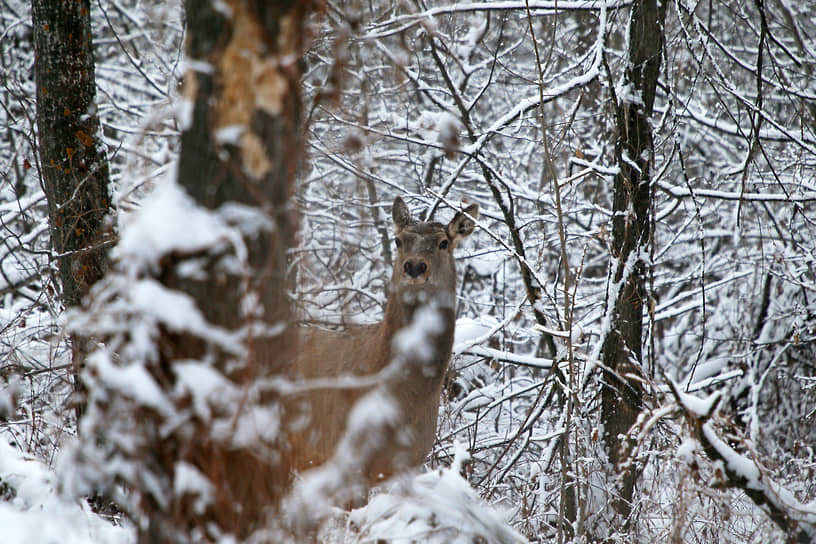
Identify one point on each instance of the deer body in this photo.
(423, 287)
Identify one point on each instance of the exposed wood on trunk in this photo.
(242, 148)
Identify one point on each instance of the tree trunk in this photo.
(244, 81)
(254, 85)
(622, 392)
(194, 315)
(73, 164)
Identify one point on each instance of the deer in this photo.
(422, 295)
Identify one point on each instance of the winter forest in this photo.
(201, 236)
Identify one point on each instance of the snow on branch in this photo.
(683, 192)
(402, 23)
(795, 519)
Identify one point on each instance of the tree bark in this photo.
(254, 85)
(243, 147)
(622, 392)
(192, 322)
(73, 165)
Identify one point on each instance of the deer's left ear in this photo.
(461, 225)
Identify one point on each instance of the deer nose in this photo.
(415, 270)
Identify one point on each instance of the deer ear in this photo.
(401, 214)
(461, 225)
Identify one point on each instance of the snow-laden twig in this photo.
(795, 519)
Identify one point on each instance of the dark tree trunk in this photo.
(252, 86)
(201, 464)
(621, 395)
(73, 164)
(245, 79)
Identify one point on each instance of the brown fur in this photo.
(424, 272)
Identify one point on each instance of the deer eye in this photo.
(443, 244)
(398, 242)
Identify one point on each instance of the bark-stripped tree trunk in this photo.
(194, 313)
(73, 164)
(244, 81)
(252, 84)
(622, 392)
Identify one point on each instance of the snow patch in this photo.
(205, 385)
(168, 221)
(434, 507)
(417, 338)
(702, 408)
(474, 331)
(230, 134)
(189, 480)
(38, 514)
(686, 449)
(133, 381)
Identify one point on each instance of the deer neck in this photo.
(408, 304)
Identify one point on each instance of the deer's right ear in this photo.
(401, 214)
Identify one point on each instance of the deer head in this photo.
(424, 260)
